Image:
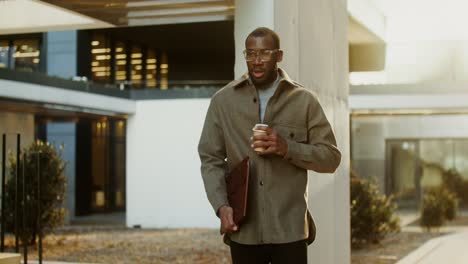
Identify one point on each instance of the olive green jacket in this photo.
(277, 199)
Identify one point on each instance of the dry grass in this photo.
(123, 245)
(134, 246)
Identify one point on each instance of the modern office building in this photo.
(125, 86)
(408, 119)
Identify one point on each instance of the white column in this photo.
(313, 36)
(248, 16)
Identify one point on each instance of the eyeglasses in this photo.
(264, 54)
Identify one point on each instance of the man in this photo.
(278, 226)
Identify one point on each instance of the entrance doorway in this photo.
(403, 172)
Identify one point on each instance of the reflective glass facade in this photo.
(21, 52)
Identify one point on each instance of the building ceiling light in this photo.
(179, 11)
(96, 51)
(103, 57)
(167, 2)
(26, 54)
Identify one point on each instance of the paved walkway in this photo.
(451, 248)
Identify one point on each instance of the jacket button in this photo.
(255, 100)
(291, 135)
(261, 183)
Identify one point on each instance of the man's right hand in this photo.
(226, 215)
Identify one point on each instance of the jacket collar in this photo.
(246, 79)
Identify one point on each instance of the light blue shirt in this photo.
(265, 94)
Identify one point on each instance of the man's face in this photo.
(262, 68)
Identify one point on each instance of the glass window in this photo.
(26, 54)
(461, 157)
(164, 71)
(121, 62)
(437, 152)
(417, 165)
(100, 131)
(135, 66)
(151, 69)
(136, 62)
(100, 59)
(118, 162)
(4, 49)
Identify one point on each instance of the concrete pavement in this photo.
(452, 248)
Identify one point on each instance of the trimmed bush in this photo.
(439, 204)
(53, 185)
(450, 203)
(432, 212)
(455, 183)
(372, 214)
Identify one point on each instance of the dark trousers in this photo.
(295, 252)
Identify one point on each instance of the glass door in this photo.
(403, 172)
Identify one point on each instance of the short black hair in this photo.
(264, 31)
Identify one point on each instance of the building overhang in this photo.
(29, 16)
(367, 22)
(366, 36)
(150, 12)
(58, 99)
(423, 98)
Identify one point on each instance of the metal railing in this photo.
(20, 205)
(176, 88)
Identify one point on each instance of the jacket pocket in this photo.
(312, 228)
(298, 134)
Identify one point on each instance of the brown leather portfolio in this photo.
(237, 183)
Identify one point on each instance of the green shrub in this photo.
(432, 212)
(450, 203)
(372, 214)
(53, 185)
(454, 182)
(439, 204)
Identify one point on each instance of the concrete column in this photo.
(314, 39)
(248, 16)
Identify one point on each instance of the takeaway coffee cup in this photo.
(257, 132)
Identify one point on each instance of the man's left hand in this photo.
(272, 142)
